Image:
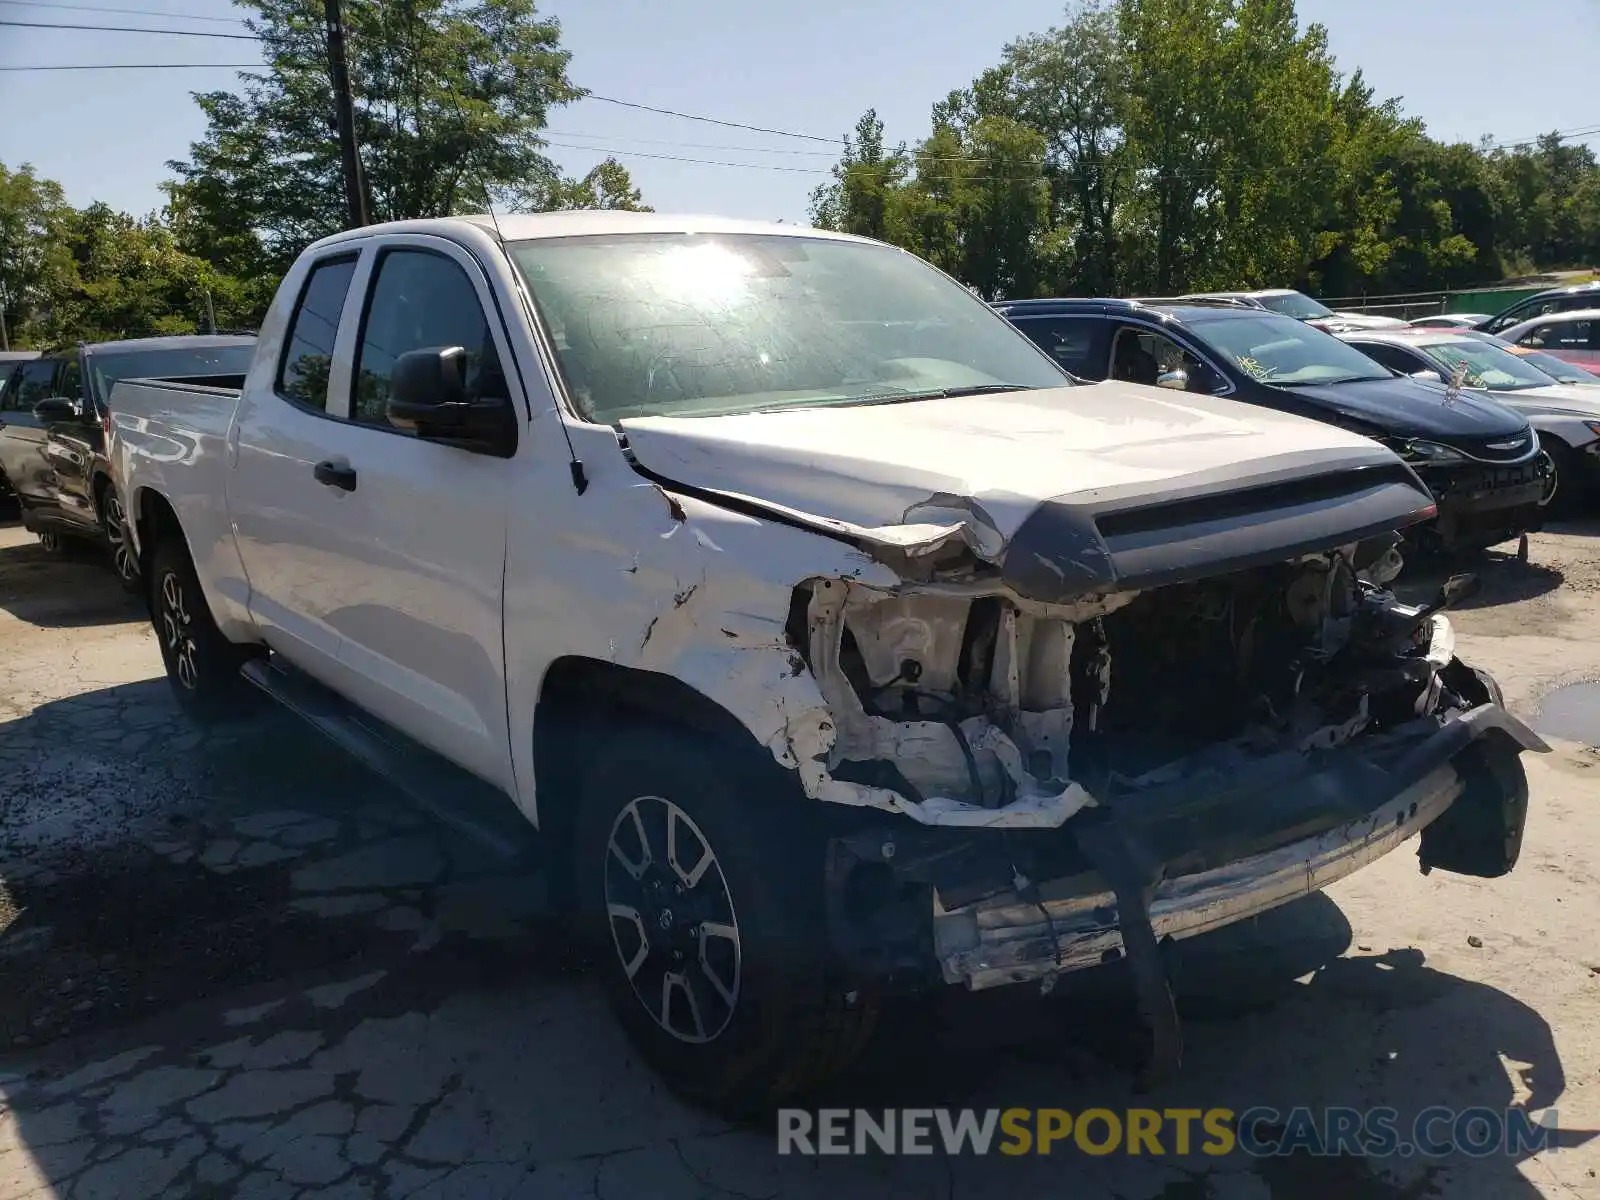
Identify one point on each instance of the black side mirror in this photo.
(57, 408)
(428, 388)
(428, 396)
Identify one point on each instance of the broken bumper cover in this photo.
(1006, 940)
(1027, 931)
(1485, 503)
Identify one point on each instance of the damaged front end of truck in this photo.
(1135, 720)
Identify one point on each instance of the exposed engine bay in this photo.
(991, 710)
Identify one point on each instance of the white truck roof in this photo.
(517, 227)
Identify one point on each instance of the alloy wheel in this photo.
(672, 919)
(176, 630)
(122, 556)
(1554, 483)
(50, 543)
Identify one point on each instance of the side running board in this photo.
(454, 797)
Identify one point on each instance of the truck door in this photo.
(280, 516)
(404, 567)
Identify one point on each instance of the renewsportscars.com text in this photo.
(1260, 1132)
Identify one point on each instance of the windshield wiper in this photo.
(977, 389)
(1299, 383)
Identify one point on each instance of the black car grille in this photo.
(1506, 448)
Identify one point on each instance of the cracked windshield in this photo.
(683, 326)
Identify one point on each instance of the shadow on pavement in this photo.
(65, 590)
(1506, 580)
(292, 983)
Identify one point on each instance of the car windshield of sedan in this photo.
(1297, 305)
(688, 325)
(1487, 366)
(1285, 352)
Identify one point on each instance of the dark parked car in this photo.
(10, 362)
(1556, 300)
(1566, 418)
(1299, 306)
(1482, 461)
(53, 425)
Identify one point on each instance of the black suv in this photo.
(54, 420)
(1562, 299)
(1482, 461)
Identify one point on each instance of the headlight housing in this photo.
(1421, 450)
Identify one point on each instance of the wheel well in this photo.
(155, 520)
(1549, 440)
(98, 486)
(583, 702)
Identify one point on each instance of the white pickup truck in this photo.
(830, 638)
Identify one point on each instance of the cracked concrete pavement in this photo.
(234, 964)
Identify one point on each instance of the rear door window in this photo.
(1559, 335)
(313, 329)
(1077, 344)
(37, 383)
(1392, 357)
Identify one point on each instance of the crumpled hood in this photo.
(1402, 407)
(873, 466)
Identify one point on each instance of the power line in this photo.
(136, 66)
(204, 33)
(615, 100)
(132, 12)
(617, 137)
(672, 112)
(707, 162)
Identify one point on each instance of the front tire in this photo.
(700, 896)
(114, 524)
(202, 665)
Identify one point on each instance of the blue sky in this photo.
(1467, 67)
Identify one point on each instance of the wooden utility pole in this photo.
(355, 187)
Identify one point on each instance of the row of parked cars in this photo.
(1450, 393)
(54, 423)
(1497, 428)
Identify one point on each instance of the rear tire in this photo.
(202, 665)
(701, 904)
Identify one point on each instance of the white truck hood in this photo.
(871, 466)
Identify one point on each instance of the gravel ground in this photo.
(234, 964)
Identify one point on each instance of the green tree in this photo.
(450, 97)
(857, 199)
(34, 262)
(606, 186)
(1070, 85)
